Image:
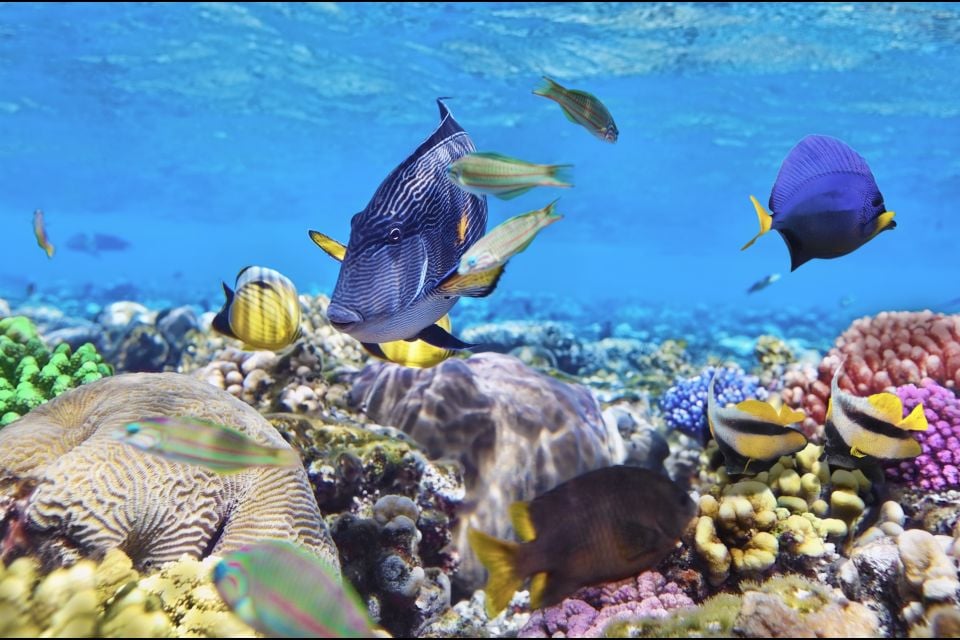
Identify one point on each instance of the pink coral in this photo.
(588, 612)
(887, 350)
(937, 467)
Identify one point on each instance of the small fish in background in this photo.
(753, 431)
(764, 282)
(874, 427)
(506, 240)
(96, 243)
(263, 312)
(40, 231)
(203, 443)
(417, 353)
(604, 525)
(846, 301)
(825, 202)
(581, 108)
(284, 591)
(503, 176)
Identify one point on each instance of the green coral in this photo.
(773, 355)
(31, 374)
(712, 619)
(791, 510)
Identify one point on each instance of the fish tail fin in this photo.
(500, 559)
(547, 88)
(560, 175)
(287, 457)
(522, 524)
(916, 421)
(766, 222)
(551, 212)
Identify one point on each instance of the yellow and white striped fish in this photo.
(263, 312)
(872, 426)
(506, 240)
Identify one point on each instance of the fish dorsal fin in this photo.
(790, 416)
(760, 410)
(444, 109)
(471, 285)
(331, 247)
(888, 407)
(916, 421)
(814, 156)
(522, 523)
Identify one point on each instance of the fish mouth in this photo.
(342, 318)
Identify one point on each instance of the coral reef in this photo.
(685, 403)
(518, 433)
(563, 348)
(773, 355)
(938, 467)
(31, 374)
(783, 515)
(110, 599)
(69, 490)
(587, 613)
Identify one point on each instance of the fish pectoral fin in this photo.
(374, 349)
(471, 285)
(330, 246)
(513, 193)
(916, 421)
(856, 453)
(569, 115)
(437, 336)
(766, 222)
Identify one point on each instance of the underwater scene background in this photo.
(169, 146)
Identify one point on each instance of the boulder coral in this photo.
(69, 490)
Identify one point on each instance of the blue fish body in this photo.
(406, 242)
(825, 202)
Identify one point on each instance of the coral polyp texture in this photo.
(938, 467)
(31, 374)
(878, 353)
(78, 492)
(684, 405)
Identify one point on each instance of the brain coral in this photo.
(68, 490)
(517, 432)
(887, 350)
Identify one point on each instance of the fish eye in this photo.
(133, 429)
(394, 235)
(472, 261)
(877, 200)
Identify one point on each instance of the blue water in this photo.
(214, 136)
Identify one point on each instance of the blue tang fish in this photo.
(398, 273)
(825, 202)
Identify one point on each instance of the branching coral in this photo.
(938, 467)
(685, 404)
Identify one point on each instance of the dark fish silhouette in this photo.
(397, 275)
(604, 525)
(763, 283)
(825, 202)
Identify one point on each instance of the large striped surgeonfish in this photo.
(398, 273)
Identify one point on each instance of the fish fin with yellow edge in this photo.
(500, 559)
(759, 409)
(790, 416)
(522, 524)
(916, 421)
(331, 247)
(538, 587)
(374, 349)
(883, 222)
(829, 413)
(888, 406)
(766, 222)
(856, 453)
(471, 285)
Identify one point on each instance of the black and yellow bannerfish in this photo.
(753, 431)
(873, 426)
(263, 311)
(417, 353)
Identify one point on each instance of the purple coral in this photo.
(938, 467)
(588, 612)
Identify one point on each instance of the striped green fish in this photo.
(203, 443)
(581, 108)
(263, 312)
(503, 176)
(283, 591)
(506, 240)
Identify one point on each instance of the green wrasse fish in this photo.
(395, 278)
(603, 525)
(504, 177)
(263, 312)
(874, 426)
(416, 353)
(40, 231)
(581, 108)
(753, 431)
(203, 443)
(283, 591)
(506, 240)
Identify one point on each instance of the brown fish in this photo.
(604, 525)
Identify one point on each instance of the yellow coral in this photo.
(710, 547)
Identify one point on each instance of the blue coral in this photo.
(684, 405)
